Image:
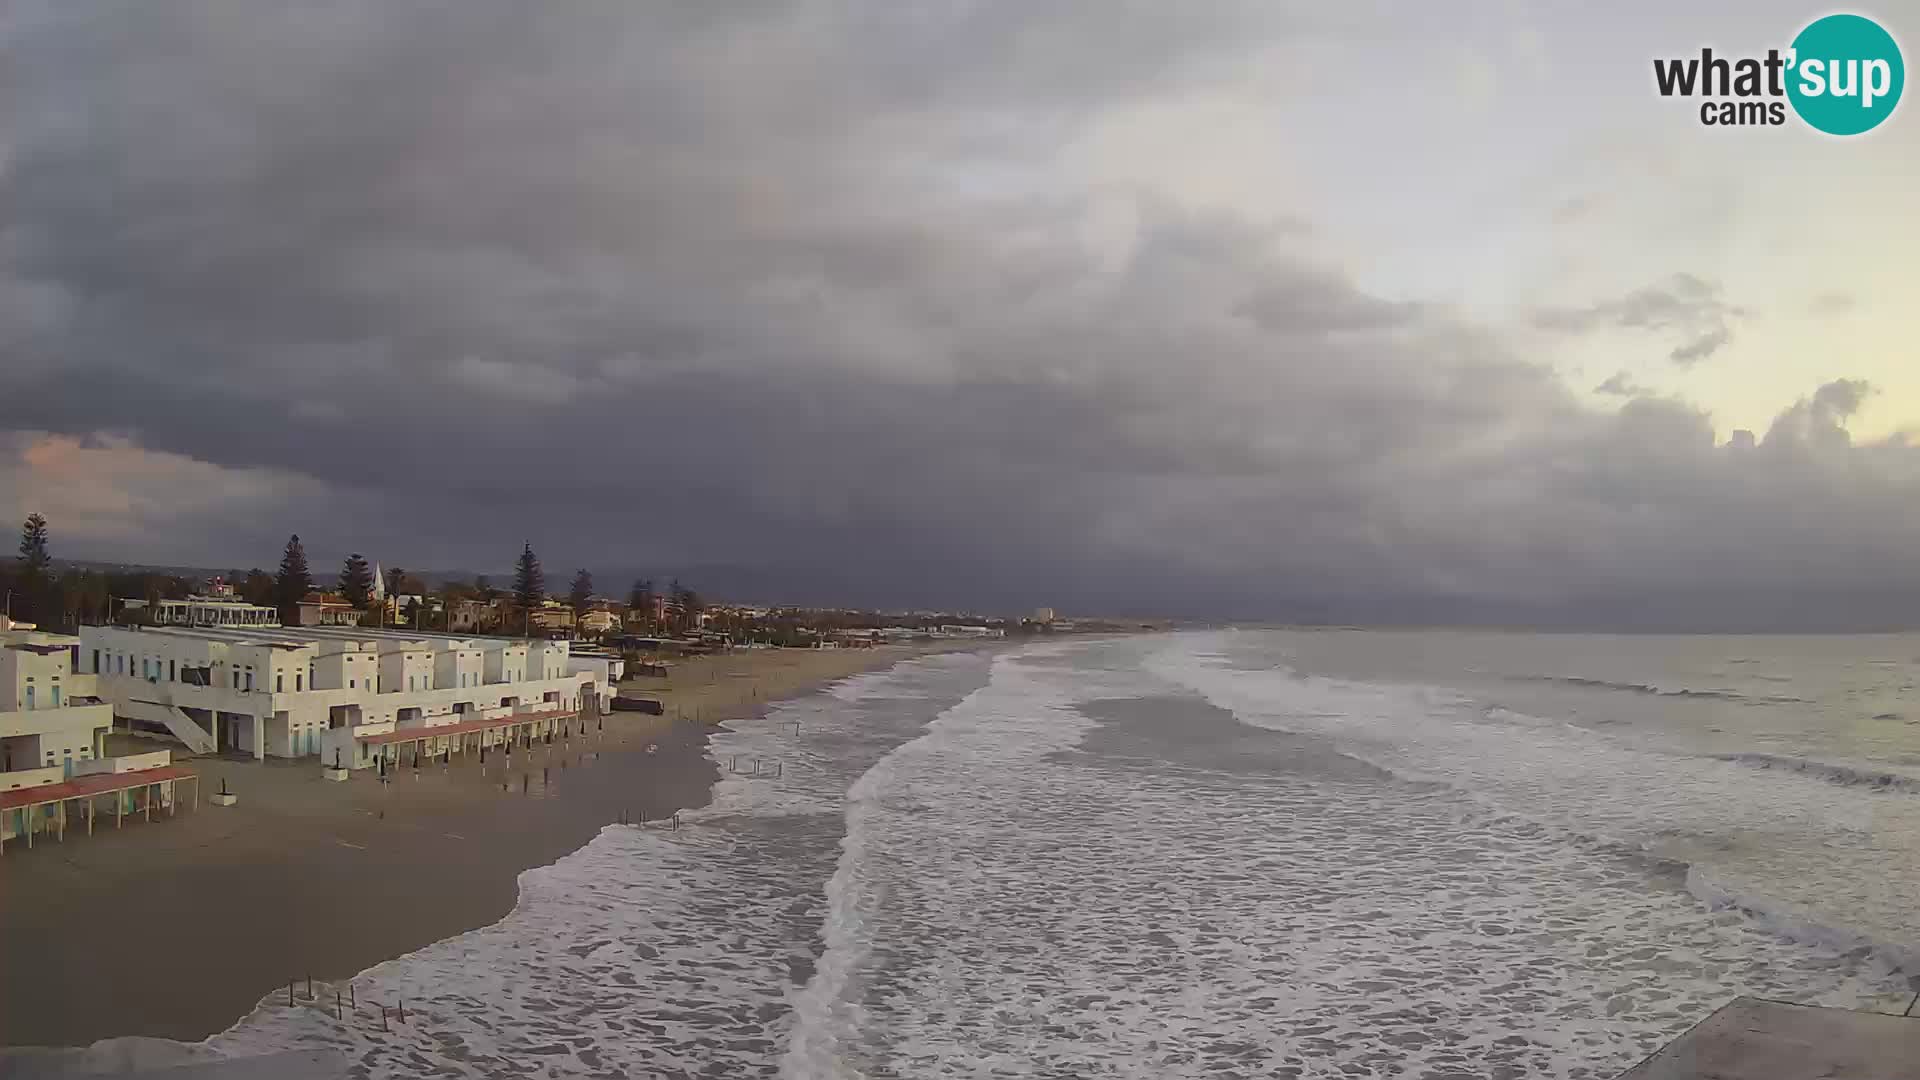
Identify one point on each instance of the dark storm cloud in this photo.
(1684, 304)
(791, 293)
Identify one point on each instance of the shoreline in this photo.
(178, 929)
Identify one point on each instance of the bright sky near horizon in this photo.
(1509, 156)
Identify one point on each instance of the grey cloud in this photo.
(1700, 348)
(1684, 304)
(747, 291)
(1620, 384)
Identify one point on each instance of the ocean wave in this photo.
(824, 1041)
(1649, 690)
(1795, 925)
(1845, 775)
(1656, 805)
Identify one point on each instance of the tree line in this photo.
(62, 600)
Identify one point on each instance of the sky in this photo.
(1360, 312)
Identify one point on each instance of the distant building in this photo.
(469, 616)
(550, 618)
(598, 622)
(327, 610)
(1043, 615)
(222, 609)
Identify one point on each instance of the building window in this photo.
(279, 682)
(172, 676)
(296, 681)
(96, 661)
(249, 678)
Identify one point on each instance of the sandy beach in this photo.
(178, 927)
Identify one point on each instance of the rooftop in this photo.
(81, 787)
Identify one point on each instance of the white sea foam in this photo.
(1012, 906)
(1798, 848)
(1003, 724)
(936, 885)
(652, 951)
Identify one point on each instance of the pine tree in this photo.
(396, 577)
(356, 581)
(34, 557)
(294, 582)
(581, 592)
(35, 579)
(529, 584)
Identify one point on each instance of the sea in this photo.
(1229, 853)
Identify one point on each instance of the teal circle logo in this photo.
(1846, 74)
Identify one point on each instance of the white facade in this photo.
(279, 691)
(211, 611)
(50, 721)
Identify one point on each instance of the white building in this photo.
(50, 720)
(211, 611)
(327, 691)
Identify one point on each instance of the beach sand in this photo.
(177, 928)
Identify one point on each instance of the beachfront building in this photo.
(321, 691)
(50, 718)
(53, 731)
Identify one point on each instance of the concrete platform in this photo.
(1751, 1039)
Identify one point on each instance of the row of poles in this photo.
(348, 1004)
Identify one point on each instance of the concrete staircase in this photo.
(198, 739)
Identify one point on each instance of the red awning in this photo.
(81, 787)
(414, 734)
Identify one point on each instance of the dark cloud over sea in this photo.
(791, 293)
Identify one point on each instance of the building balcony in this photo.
(55, 718)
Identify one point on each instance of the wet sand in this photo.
(177, 928)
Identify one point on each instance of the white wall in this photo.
(295, 722)
(406, 670)
(23, 778)
(125, 763)
(458, 669)
(507, 663)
